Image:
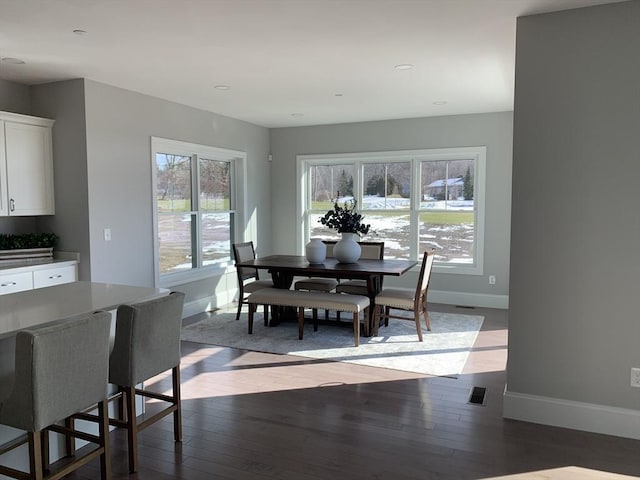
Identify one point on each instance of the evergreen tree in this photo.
(467, 185)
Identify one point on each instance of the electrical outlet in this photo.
(635, 377)
(107, 234)
(492, 279)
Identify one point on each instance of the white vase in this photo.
(316, 251)
(347, 250)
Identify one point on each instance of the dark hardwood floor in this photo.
(251, 415)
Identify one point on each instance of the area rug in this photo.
(443, 352)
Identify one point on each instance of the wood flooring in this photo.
(258, 416)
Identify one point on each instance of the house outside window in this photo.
(194, 209)
(414, 201)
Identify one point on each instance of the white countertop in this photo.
(60, 259)
(44, 305)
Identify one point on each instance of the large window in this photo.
(414, 201)
(195, 208)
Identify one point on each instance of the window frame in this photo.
(415, 157)
(237, 202)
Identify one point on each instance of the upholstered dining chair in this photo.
(319, 284)
(414, 300)
(370, 250)
(60, 369)
(147, 343)
(248, 278)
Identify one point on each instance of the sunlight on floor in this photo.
(563, 473)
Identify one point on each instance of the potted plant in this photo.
(347, 221)
(26, 245)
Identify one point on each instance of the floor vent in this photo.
(467, 307)
(477, 395)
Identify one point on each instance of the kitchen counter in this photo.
(59, 259)
(45, 305)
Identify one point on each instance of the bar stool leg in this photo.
(129, 394)
(177, 415)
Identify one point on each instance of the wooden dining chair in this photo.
(318, 284)
(248, 278)
(406, 299)
(370, 250)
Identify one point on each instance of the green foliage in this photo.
(467, 185)
(345, 185)
(344, 218)
(27, 240)
(375, 186)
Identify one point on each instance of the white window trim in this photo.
(238, 160)
(478, 153)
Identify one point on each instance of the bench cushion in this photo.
(319, 300)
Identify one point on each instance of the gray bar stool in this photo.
(147, 343)
(60, 369)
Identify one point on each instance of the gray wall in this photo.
(102, 162)
(574, 330)
(64, 102)
(493, 130)
(15, 98)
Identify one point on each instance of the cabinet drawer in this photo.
(16, 282)
(54, 276)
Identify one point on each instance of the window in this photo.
(414, 201)
(195, 208)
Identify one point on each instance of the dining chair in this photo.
(318, 284)
(60, 369)
(370, 250)
(248, 278)
(406, 299)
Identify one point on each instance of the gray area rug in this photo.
(443, 352)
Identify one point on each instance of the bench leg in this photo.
(356, 328)
(300, 322)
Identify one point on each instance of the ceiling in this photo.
(286, 62)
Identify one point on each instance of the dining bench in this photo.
(281, 297)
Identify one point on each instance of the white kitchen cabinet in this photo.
(16, 282)
(37, 275)
(26, 165)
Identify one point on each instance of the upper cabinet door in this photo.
(29, 170)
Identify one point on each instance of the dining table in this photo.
(283, 269)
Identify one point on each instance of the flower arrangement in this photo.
(344, 218)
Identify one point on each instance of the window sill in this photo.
(180, 278)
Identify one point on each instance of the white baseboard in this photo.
(209, 303)
(435, 296)
(588, 417)
(468, 299)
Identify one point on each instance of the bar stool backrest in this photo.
(147, 339)
(60, 369)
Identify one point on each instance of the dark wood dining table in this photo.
(284, 268)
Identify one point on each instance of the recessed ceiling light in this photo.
(404, 66)
(222, 87)
(297, 114)
(440, 102)
(15, 61)
(80, 32)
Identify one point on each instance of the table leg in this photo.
(278, 314)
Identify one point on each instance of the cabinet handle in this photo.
(12, 205)
(51, 277)
(9, 284)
